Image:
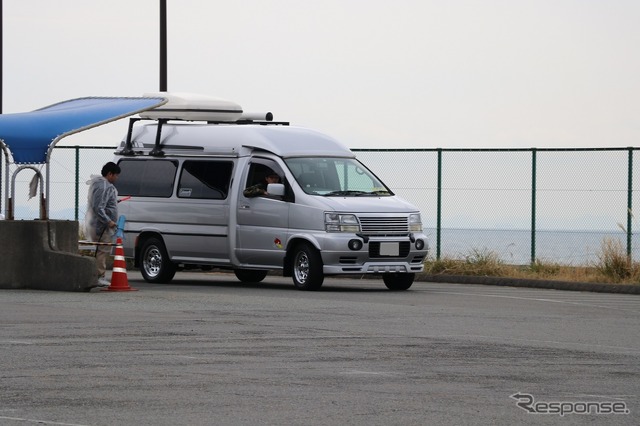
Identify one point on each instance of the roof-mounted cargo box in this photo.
(193, 107)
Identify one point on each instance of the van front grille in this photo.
(392, 225)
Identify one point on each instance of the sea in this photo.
(577, 248)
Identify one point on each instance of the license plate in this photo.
(389, 249)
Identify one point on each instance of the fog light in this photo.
(355, 244)
(419, 244)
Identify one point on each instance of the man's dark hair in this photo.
(110, 167)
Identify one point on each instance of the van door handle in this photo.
(244, 206)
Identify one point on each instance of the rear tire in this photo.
(155, 265)
(307, 267)
(250, 275)
(398, 281)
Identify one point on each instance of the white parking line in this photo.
(40, 422)
(538, 299)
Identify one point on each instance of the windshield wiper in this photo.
(356, 193)
(338, 193)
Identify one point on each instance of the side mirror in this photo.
(276, 189)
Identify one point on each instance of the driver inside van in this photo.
(260, 189)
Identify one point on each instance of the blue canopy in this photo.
(29, 135)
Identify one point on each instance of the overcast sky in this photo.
(372, 73)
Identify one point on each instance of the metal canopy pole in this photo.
(1, 55)
(1, 78)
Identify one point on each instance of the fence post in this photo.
(77, 179)
(629, 202)
(439, 205)
(534, 156)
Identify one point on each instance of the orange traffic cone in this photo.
(119, 280)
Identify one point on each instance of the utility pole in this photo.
(163, 45)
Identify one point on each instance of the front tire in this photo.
(307, 267)
(250, 275)
(398, 281)
(155, 265)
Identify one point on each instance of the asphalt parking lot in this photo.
(207, 349)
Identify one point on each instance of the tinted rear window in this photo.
(146, 178)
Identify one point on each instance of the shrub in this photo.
(614, 262)
(484, 262)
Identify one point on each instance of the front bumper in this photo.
(337, 258)
(373, 268)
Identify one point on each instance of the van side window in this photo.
(205, 179)
(146, 178)
(256, 179)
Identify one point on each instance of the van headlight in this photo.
(336, 222)
(415, 223)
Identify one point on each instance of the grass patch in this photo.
(613, 266)
(478, 262)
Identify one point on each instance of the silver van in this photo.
(234, 192)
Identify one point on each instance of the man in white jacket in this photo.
(102, 215)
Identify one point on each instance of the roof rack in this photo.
(192, 107)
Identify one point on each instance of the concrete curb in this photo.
(519, 282)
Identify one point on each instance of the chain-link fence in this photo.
(554, 205)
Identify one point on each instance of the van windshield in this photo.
(339, 177)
